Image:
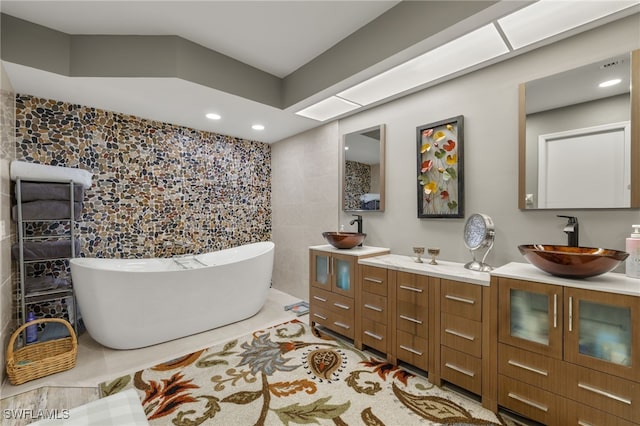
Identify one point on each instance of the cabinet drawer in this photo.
(583, 415)
(374, 280)
(412, 307)
(462, 334)
(341, 324)
(604, 392)
(374, 335)
(331, 301)
(530, 401)
(534, 369)
(374, 307)
(412, 349)
(461, 369)
(461, 299)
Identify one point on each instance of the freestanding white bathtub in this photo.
(133, 303)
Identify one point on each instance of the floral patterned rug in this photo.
(290, 374)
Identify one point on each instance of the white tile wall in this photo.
(305, 202)
(7, 232)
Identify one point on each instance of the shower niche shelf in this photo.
(45, 213)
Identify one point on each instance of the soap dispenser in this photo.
(632, 266)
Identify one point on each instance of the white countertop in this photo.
(356, 251)
(609, 282)
(444, 269)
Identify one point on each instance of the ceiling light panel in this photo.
(547, 18)
(471, 49)
(328, 108)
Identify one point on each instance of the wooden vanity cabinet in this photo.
(568, 356)
(410, 319)
(373, 309)
(461, 334)
(333, 279)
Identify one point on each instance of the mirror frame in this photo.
(635, 139)
(383, 184)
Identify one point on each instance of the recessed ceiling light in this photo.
(212, 116)
(546, 18)
(328, 108)
(257, 127)
(471, 49)
(610, 82)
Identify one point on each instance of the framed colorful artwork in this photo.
(440, 169)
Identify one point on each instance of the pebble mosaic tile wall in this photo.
(356, 183)
(158, 189)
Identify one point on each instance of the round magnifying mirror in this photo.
(479, 235)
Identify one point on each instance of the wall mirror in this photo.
(363, 170)
(579, 143)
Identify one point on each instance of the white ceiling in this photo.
(277, 37)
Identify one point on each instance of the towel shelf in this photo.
(52, 249)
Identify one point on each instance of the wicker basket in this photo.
(41, 359)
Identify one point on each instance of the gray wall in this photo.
(488, 100)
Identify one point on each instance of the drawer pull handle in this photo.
(339, 324)
(341, 306)
(604, 393)
(406, 287)
(373, 280)
(528, 368)
(458, 334)
(404, 317)
(460, 299)
(319, 316)
(322, 299)
(408, 349)
(528, 402)
(374, 335)
(460, 370)
(583, 423)
(373, 308)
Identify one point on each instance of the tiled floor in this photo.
(95, 363)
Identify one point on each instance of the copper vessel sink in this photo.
(344, 240)
(572, 262)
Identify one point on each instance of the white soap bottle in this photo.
(632, 266)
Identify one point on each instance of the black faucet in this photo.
(358, 218)
(571, 230)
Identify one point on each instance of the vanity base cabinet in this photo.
(333, 288)
(372, 309)
(460, 334)
(410, 319)
(567, 356)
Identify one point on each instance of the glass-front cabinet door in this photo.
(532, 319)
(344, 274)
(333, 272)
(320, 270)
(600, 331)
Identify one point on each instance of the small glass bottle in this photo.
(32, 330)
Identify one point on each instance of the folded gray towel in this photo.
(47, 209)
(42, 250)
(32, 191)
(43, 283)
